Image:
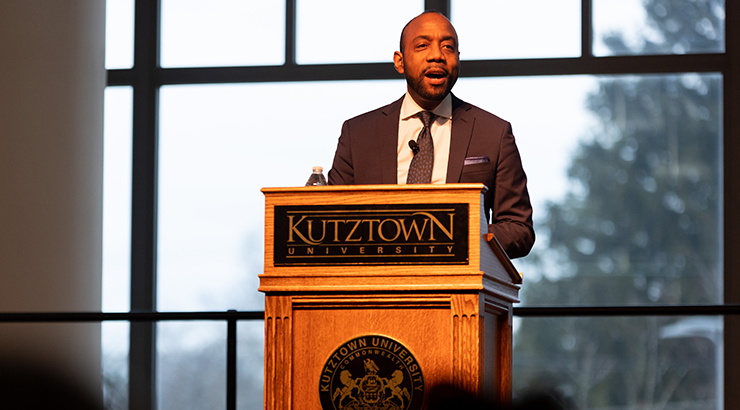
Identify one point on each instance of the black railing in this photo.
(232, 316)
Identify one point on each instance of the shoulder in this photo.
(386, 111)
(466, 111)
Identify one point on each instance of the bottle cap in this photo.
(318, 169)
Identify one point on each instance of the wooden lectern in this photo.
(377, 293)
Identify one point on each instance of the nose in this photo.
(435, 53)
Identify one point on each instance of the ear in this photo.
(398, 61)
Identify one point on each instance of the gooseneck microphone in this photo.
(414, 147)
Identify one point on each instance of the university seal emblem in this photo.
(371, 373)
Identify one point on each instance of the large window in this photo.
(619, 115)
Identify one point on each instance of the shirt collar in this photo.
(409, 107)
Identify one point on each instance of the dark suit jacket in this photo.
(366, 154)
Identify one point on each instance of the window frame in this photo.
(146, 77)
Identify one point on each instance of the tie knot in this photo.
(427, 117)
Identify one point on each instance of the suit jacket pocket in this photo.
(482, 172)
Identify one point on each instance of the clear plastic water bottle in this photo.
(317, 177)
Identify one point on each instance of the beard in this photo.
(428, 92)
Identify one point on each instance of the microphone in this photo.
(414, 147)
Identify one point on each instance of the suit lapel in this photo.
(462, 131)
(387, 138)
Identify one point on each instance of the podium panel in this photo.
(375, 305)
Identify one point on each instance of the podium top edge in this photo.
(376, 188)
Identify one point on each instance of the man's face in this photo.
(430, 59)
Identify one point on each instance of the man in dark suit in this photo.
(466, 144)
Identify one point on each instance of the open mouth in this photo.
(436, 75)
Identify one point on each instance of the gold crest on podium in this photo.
(371, 372)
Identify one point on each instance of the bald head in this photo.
(403, 32)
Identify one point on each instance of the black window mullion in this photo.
(142, 356)
(613, 65)
(731, 198)
(442, 6)
(290, 33)
(587, 29)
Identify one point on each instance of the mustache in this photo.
(436, 70)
